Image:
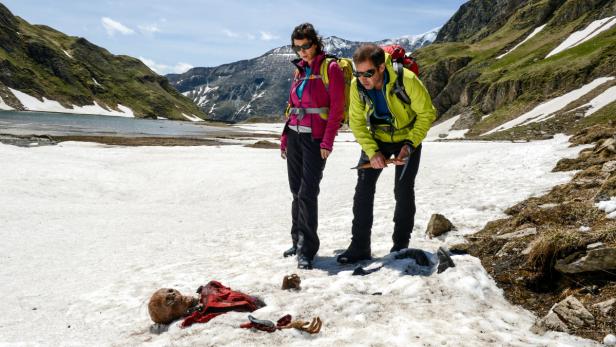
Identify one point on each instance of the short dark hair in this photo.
(307, 31)
(369, 51)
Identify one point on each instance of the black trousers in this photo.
(404, 193)
(305, 169)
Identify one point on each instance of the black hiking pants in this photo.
(404, 193)
(305, 169)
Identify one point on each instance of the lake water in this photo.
(62, 124)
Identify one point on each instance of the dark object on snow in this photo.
(285, 322)
(291, 282)
(444, 260)
(418, 255)
(158, 328)
(360, 271)
(216, 299)
(266, 325)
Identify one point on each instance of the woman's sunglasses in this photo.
(366, 74)
(303, 47)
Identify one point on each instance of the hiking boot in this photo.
(352, 255)
(304, 263)
(398, 247)
(289, 252)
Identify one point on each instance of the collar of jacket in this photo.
(316, 62)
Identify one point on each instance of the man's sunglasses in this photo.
(303, 47)
(366, 74)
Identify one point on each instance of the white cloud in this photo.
(163, 69)
(265, 36)
(230, 33)
(113, 27)
(149, 29)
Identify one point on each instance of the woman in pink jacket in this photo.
(315, 112)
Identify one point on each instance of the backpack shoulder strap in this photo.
(399, 84)
(324, 67)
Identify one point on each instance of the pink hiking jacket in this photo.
(315, 95)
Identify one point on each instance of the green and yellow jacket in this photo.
(410, 122)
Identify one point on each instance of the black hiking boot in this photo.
(398, 247)
(303, 262)
(353, 255)
(289, 252)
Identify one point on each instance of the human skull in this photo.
(167, 305)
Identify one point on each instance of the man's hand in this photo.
(402, 157)
(378, 161)
(325, 153)
(283, 154)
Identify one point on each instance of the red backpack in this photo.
(400, 61)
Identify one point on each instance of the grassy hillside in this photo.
(466, 76)
(43, 62)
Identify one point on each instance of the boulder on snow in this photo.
(567, 314)
(438, 225)
(592, 260)
(573, 313)
(550, 322)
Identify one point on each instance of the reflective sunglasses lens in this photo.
(366, 74)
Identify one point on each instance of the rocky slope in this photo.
(257, 89)
(494, 61)
(44, 63)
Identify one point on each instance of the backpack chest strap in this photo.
(300, 112)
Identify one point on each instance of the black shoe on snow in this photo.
(289, 252)
(353, 256)
(304, 263)
(398, 247)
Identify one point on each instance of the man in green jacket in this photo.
(385, 125)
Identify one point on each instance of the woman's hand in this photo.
(324, 153)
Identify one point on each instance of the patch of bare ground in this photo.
(541, 254)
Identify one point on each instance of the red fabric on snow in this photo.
(218, 299)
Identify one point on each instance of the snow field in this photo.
(91, 231)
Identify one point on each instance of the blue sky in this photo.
(174, 35)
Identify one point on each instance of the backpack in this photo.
(346, 64)
(401, 61)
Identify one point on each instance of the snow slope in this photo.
(547, 109)
(530, 36)
(31, 103)
(91, 231)
(593, 29)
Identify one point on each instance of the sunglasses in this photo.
(366, 74)
(303, 47)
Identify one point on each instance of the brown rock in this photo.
(438, 225)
